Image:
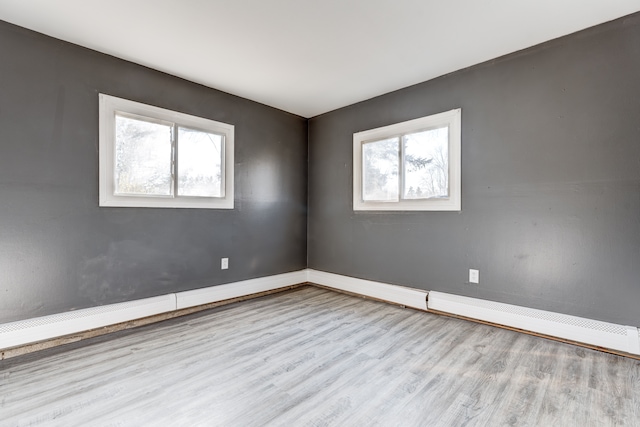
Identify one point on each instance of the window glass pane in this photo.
(199, 163)
(380, 166)
(143, 157)
(426, 164)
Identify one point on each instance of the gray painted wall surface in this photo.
(59, 251)
(550, 182)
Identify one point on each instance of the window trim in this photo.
(452, 119)
(108, 106)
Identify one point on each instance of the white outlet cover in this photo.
(474, 276)
(224, 263)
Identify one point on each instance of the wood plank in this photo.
(319, 358)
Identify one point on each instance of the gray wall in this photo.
(550, 182)
(550, 203)
(59, 251)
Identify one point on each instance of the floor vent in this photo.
(587, 331)
(41, 328)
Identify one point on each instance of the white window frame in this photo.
(109, 106)
(452, 119)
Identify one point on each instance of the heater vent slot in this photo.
(41, 328)
(76, 315)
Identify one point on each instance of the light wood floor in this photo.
(313, 357)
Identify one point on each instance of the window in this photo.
(152, 157)
(409, 166)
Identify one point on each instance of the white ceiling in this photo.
(309, 56)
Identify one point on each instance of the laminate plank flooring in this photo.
(313, 357)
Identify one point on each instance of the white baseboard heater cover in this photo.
(56, 325)
(28, 331)
(409, 297)
(587, 331)
(238, 289)
(579, 329)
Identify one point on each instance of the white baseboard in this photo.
(406, 296)
(587, 331)
(572, 328)
(56, 325)
(238, 289)
(578, 329)
(43, 328)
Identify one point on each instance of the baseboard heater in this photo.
(578, 329)
(587, 331)
(44, 328)
(71, 322)
(238, 289)
(409, 297)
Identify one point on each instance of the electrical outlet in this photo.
(224, 263)
(474, 276)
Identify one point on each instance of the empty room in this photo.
(319, 213)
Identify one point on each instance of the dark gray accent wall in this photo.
(59, 251)
(550, 182)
